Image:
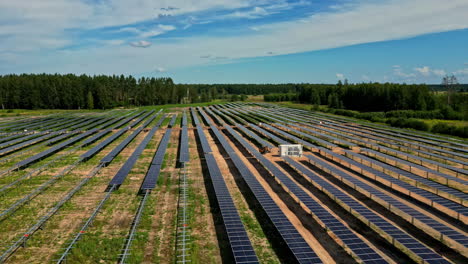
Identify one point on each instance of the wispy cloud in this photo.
(340, 76)
(461, 72)
(140, 44)
(48, 25)
(427, 71)
(160, 69)
(253, 13)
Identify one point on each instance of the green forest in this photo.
(400, 105)
(54, 91)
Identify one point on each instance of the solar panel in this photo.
(54, 149)
(90, 153)
(288, 233)
(240, 243)
(268, 134)
(109, 157)
(419, 249)
(260, 140)
(184, 146)
(128, 165)
(184, 119)
(195, 119)
(354, 182)
(151, 177)
(173, 119)
(410, 175)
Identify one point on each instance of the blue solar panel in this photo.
(295, 242)
(151, 177)
(240, 243)
(90, 153)
(184, 146)
(128, 165)
(376, 193)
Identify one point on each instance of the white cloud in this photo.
(160, 29)
(365, 77)
(461, 72)
(256, 12)
(340, 76)
(140, 44)
(425, 71)
(43, 23)
(398, 71)
(160, 69)
(439, 73)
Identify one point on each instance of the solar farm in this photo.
(208, 185)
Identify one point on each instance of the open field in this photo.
(206, 184)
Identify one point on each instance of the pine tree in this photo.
(90, 101)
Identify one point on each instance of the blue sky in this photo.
(239, 41)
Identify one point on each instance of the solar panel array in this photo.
(352, 241)
(152, 175)
(410, 175)
(268, 134)
(109, 157)
(413, 213)
(288, 136)
(128, 165)
(422, 251)
(260, 140)
(93, 151)
(109, 129)
(456, 207)
(296, 244)
(184, 154)
(54, 149)
(23, 144)
(239, 241)
(344, 233)
(413, 165)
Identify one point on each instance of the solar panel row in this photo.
(90, 153)
(394, 203)
(296, 244)
(195, 119)
(352, 241)
(109, 157)
(268, 134)
(260, 140)
(151, 177)
(239, 241)
(172, 121)
(184, 119)
(108, 130)
(394, 182)
(205, 116)
(287, 135)
(128, 165)
(398, 171)
(26, 143)
(56, 148)
(413, 165)
(184, 146)
(398, 236)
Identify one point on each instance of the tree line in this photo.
(399, 100)
(55, 91)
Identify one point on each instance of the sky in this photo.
(239, 41)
